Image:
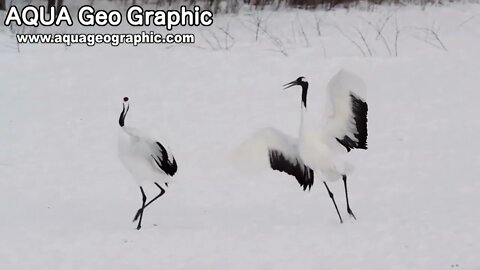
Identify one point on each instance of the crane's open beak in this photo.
(290, 84)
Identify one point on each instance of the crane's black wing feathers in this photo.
(359, 111)
(162, 161)
(296, 168)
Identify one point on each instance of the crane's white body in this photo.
(320, 155)
(135, 152)
(316, 145)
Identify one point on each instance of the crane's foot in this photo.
(351, 213)
(139, 227)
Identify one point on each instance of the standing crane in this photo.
(146, 159)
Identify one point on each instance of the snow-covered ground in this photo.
(67, 203)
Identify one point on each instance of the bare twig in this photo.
(302, 31)
(208, 41)
(364, 40)
(276, 42)
(228, 37)
(225, 44)
(257, 21)
(318, 20)
(435, 35)
(397, 35)
(379, 30)
(351, 40)
(467, 20)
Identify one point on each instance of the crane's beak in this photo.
(290, 84)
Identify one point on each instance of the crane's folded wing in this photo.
(163, 160)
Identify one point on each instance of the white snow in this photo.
(66, 202)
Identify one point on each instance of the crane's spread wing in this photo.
(293, 166)
(271, 148)
(346, 117)
(163, 160)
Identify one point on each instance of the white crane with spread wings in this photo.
(318, 148)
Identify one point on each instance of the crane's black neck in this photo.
(304, 93)
(123, 114)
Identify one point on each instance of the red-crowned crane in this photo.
(318, 148)
(146, 159)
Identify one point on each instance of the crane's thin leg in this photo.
(144, 199)
(349, 210)
(162, 191)
(333, 200)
